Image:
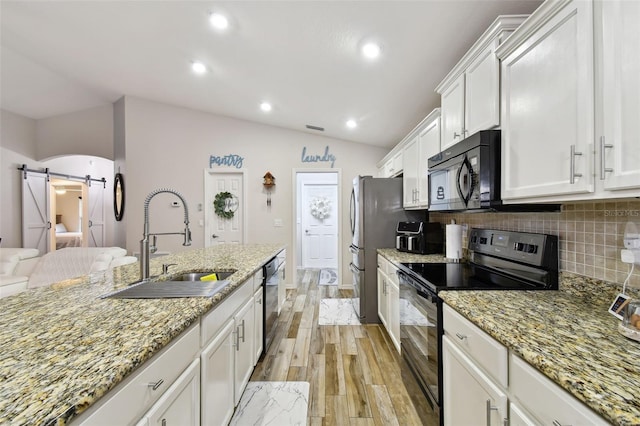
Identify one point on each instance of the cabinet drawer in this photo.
(546, 400)
(133, 397)
(485, 350)
(212, 322)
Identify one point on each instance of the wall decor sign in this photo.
(325, 158)
(231, 160)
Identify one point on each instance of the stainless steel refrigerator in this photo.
(375, 210)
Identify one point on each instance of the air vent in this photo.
(320, 129)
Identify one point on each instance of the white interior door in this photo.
(35, 212)
(220, 230)
(319, 221)
(96, 215)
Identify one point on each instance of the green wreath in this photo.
(224, 206)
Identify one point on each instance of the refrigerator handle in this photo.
(352, 211)
(353, 250)
(353, 269)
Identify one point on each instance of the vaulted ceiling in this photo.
(303, 57)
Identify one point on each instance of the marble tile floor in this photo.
(337, 312)
(272, 403)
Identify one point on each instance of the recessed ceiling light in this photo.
(198, 67)
(266, 106)
(371, 50)
(219, 21)
(351, 124)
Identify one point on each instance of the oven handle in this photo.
(423, 292)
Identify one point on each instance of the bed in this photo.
(65, 238)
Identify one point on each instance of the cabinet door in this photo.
(410, 173)
(218, 378)
(518, 416)
(244, 323)
(620, 147)
(470, 397)
(382, 297)
(393, 313)
(482, 92)
(258, 328)
(452, 113)
(180, 404)
(429, 146)
(547, 108)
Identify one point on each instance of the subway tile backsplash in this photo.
(590, 233)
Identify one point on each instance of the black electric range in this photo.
(499, 260)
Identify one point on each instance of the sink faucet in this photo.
(145, 249)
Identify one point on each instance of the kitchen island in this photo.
(568, 336)
(62, 347)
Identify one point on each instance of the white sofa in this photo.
(16, 264)
(21, 268)
(72, 262)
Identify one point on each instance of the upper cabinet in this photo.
(470, 93)
(424, 142)
(568, 103)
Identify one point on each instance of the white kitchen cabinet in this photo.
(548, 402)
(470, 93)
(258, 327)
(180, 404)
(383, 303)
(389, 299)
(547, 103)
(410, 163)
(131, 399)
(618, 145)
(519, 417)
(218, 377)
(424, 144)
(244, 345)
(394, 165)
(469, 395)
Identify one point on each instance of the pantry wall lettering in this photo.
(231, 160)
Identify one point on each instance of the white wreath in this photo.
(320, 207)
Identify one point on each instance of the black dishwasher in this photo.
(270, 281)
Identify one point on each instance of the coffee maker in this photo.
(420, 237)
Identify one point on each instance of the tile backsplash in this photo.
(590, 233)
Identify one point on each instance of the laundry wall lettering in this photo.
(231, 160)
(325, 158)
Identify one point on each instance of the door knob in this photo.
(306, 231)
(214, 236)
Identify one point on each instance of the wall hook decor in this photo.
(269, 181)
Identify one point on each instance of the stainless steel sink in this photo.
(185, 285)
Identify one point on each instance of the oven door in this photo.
(420, 333)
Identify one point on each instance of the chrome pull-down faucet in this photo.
(145, 250)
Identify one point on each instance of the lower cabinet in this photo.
(244, 356)
(218, 377)
(389, 299)
(258, 328)
(485, 384)
(180, 404)
(469, 394)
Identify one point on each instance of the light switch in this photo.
(277, 223)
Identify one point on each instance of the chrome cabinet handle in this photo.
(490, 408)
(461, 336)
(556, 423)
(603, 168)
(156, 385)
(505, 421)
(236, 336)
(456, 135)
(572, 165)
(243, 331)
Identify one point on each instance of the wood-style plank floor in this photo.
(353, 370)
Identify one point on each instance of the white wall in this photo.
(168, 146)
(88, 132)
(17, 147)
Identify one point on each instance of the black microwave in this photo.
(467, 175)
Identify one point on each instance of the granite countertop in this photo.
(569, 336)
(397, 256)
(62, 347)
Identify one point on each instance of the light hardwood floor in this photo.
(353, 370)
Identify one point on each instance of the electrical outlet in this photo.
(277, 223)
(630, 256)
